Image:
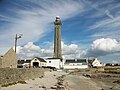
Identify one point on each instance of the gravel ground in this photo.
(81, 83)
(55, 79)
(44, 83)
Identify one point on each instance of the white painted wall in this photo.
(35, 60)
(26, 65)
(97, 63)
(75, 67)
(53, 62)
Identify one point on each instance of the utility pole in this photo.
(16, 38)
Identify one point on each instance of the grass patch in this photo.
(22, 82)
(33, 79)
(9, 84)
(51, 70)
(54, 75)
(41, 77)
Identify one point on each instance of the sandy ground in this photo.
(71, 82)
(81, 83)
(44, 83)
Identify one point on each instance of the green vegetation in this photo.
(41, 77)
(9, 84)
(33, 79)
(22, 82)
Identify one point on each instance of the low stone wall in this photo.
(10, 75)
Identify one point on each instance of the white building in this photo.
(36, 62)
(95, 63)
(75, 64)
(56, 63)
(53, 62)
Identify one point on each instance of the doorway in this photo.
(35, 64)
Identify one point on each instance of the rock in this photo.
(117, 81)
(111, 88)
(54, 87)
(43, 87)
(60, 87)
(60, 83)
(40, 86)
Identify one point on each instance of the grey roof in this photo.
(91, 60)
(40, 59)
(29, 60)
(23, 61)
(53, 58)
(83, 61)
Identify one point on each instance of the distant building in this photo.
(112, 64)
(36, 62)
(54, 62)
(9, 59)
(94, 63)
(75, 63)
(24, 63)
(39, 62)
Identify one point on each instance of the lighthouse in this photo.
(57, 38)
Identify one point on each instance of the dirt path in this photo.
(67, 81)
(76, 82)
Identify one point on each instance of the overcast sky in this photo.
(90, 28)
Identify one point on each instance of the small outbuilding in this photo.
(9, 59)
(24, 63)
(38, 62)
(94, 63)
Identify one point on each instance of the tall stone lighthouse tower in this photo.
(57, 38)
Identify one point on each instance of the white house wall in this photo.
(35, 60)
(53, 63)
(26, 65)
(75, 67)
(96, 63)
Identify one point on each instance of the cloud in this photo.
(31, 46)
(102, 47)
(33, 19)
(114, 61)
(107, 45)
(71, 51)
(106, 23)
(106, 18)
(107, 28)
(113, 58)
(101, 10)
(31, 50)
(106, 49)
(109, 14)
